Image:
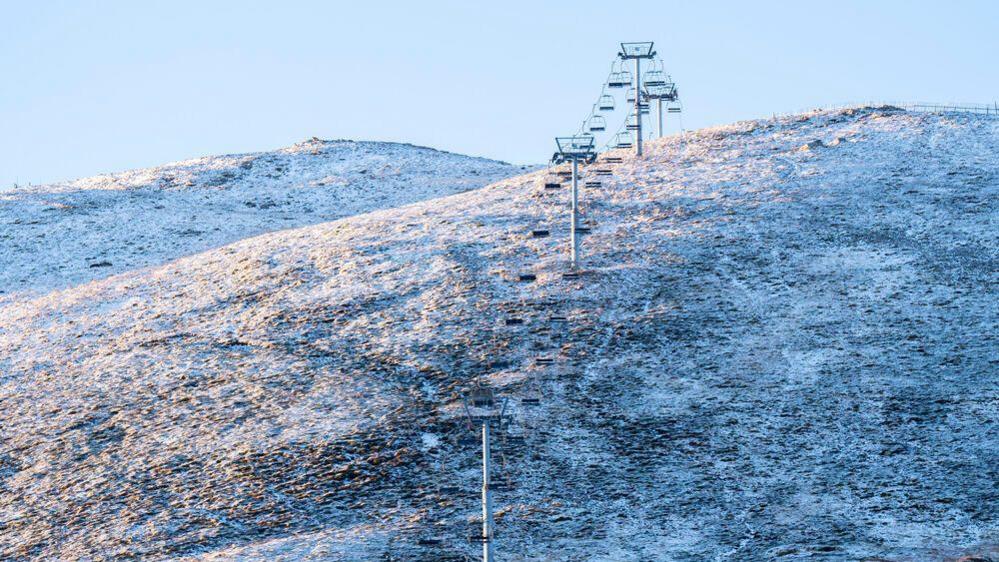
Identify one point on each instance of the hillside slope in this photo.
(784, 348)
(56, 236)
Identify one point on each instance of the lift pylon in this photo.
(574, 150)
(637, 51)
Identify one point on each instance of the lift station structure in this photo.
(637, 52)
(573, 150)
(641, 83)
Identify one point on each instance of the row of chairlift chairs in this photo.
(655, 84)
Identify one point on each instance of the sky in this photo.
(95, 87)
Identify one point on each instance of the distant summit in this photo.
(55, 235)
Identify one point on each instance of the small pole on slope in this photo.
(574, 225)
(482, 408)
(638, 107)
(659, 114)
(487, 498)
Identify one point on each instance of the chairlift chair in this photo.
(615, 81)
(597, 123)
(630, 96)
(655, 78)
(482, 397)
(622, 140)
(501, 484)
(515, 440)
(606, 103)
(619, 79)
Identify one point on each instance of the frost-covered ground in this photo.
(57, 236)
(783, 349)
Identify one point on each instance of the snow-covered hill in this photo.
(784, 348)
(55, 236)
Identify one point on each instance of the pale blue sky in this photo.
(90, 87)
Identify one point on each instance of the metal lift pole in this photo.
(487, 498)
(638, 106)
(659, 112)
(570, 151)
(574, 236)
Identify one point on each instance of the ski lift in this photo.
(616, 80)
(631, 124)
(552, 185)
(655, 78)
(606, 102)
(527, 277)
(482, 397)
(514, 321)
(597, 123)
(619, 79)
(429, 541)
(622, 140)
(630, 97)
(613, 159)
(673, 109)
(592, 183)
(539, 233)
(515, 441)
(501, 483)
